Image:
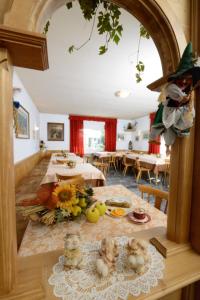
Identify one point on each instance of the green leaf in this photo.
(116, 39)
(102, 50)
(46, 27)
(143, 32)
(69, 5)
(119, 29)
(71, 49)
(140, 66)
(138, 77)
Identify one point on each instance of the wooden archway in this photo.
(27, 22)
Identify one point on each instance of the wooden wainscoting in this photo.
(25, 166)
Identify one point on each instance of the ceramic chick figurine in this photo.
(109, 252)
(138, 256)
(72, 252)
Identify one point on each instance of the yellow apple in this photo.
(101, 208)
(92, 214)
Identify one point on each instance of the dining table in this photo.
(40, 238)
(102, 154)
(91, 174)
(69, 156)
(156, 164)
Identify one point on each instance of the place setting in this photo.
(119, 207)
(139, 216)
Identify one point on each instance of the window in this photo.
(94, 136)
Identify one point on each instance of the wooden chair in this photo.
(72, 179)
(103, 167)
(158, 195)
(127, 164)
(105, 160)
(112, 162)
(88, 158)
(141, 170)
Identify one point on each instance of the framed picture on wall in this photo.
(55, 131)
(22, 123)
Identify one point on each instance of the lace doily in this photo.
(86, 284)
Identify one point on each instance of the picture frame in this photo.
(55, 132)
(23, 123)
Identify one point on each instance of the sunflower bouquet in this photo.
(56, 203)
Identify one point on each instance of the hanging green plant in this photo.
(108, 24)
(140, 65)
(108, 21)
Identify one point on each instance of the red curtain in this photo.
(154, 148)
(76, 132)
(76, 136)
(110, 134)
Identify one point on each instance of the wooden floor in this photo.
(34, 271)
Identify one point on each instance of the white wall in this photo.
(142, 144)
(26, 147)
(54, 118)
(143, 124)
(123, 144)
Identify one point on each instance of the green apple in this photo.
(82, 202)
(92, 214)
(101, 208)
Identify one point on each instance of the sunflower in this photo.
(66, 196)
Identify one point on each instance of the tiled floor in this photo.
(130, 183)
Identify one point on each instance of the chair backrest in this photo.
(159, 195)
(62, 162)
(105, 159)
(112, 158)
(61, 177)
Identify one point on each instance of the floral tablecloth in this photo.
(40, 238)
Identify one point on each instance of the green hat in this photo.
(185, 64)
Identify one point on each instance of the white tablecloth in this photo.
(87, 171)
(150, 159)
(105, 154)
(70, 156)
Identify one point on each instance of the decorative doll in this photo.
(109, 252)
(138, 256)
(176, 111)
(72, 252)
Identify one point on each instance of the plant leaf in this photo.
(116, 39)
(46, 27)
(143, 32)
(138, 77)
(69, 5)
(119, 29)
(102, 50)
(71, 49)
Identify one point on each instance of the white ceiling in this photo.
(83, 82)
